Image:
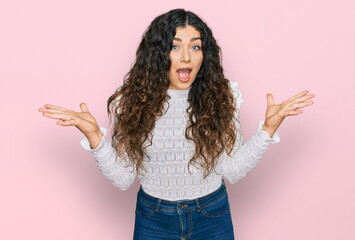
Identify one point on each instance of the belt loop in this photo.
(197, 204)
(158, 204)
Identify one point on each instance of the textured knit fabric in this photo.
(167, 176)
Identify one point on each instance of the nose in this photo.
(185, 55)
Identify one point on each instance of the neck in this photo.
(178, 92)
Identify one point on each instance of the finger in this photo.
(301, 105)
(270, 99)
(67, 123)
(304, 98)
(49, 110)
(55, 107)
(57, 116)
(83, 107)
(293, 112)
(298, 95)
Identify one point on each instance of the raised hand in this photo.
(276, 113)
(83, 120)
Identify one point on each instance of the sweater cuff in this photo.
(99, 150)
(265, 135)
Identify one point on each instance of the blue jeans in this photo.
(207, 217)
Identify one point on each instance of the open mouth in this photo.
(184, 74)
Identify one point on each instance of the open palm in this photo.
(83, 120)
(276, 113)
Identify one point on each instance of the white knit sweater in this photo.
(167, 176)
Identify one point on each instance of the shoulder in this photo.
(236, 93)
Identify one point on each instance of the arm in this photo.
(244, 156)
(105, 155)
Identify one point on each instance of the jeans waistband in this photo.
(183, 205)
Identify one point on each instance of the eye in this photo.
(196, 47)
(174, 47)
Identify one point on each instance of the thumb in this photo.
(270, 99)
(83, 107)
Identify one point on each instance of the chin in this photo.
(181, 86)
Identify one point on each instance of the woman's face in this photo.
(186, 57)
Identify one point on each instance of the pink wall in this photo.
(67, 52)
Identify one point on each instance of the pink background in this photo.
(67, 52)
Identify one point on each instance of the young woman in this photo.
(176, 126)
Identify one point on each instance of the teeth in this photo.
(185, 69)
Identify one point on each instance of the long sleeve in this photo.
(246, 155)
(117, 173)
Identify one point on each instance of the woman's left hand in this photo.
(276, 113)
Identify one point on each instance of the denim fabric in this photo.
(207, 217)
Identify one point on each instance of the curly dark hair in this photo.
(140, 100)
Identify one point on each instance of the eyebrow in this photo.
(192, 39)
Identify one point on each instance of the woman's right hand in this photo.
(83, 120)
